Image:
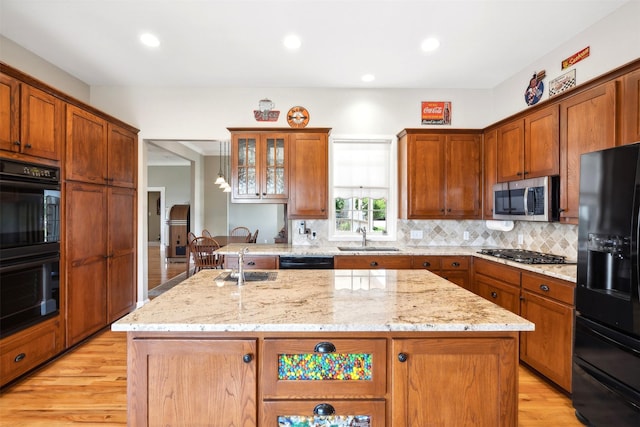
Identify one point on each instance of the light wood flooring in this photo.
(87, 386)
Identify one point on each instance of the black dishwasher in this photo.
(306, 262)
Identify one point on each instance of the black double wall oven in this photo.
(29, 244)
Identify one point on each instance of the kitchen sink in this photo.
(249, 276)
(367, 249)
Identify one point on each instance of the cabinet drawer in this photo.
(347, 412)
(261, 262)
(455, 263)
(25, 350)
(308, 368)
(356, 262)
(498, 271)
(504, 295)
(559, 290)
(431, 263)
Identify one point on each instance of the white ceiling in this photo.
(238, 43)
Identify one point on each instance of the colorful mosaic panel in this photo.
(325, 366)
(325, 421)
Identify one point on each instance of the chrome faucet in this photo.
(241, 265)
(363, 230)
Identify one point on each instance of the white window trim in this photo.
(392, 203)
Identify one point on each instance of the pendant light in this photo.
(220, 180)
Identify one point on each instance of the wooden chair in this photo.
(205, 233)
(241, 232)
(254, 237)
(204, 256)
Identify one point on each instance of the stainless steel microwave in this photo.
(534, 199)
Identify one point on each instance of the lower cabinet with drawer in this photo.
(498, 283)
(372, 262)
(451, 267)
(549, 303)
(252, 262)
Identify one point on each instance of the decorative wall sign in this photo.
(535, 89)
(436, 113)
(298, 117)
(266, 112)
(562, 83)
(576, 57)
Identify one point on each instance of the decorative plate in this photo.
(298, 117)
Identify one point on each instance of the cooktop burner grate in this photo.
(525, 257)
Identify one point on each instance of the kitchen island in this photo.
(368, 347)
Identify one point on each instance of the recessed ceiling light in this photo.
(292, 41)
(368, 78)
(430, 44)
(150, 40)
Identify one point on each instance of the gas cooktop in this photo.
(525, 257)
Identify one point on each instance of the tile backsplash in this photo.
(550, 237)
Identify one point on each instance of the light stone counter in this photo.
(566, 272)
(321, 300)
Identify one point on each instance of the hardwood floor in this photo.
(88, 385)
(160, 270)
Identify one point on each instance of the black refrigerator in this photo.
(606, 351)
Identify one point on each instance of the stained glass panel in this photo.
(321, 366)
(324, 421)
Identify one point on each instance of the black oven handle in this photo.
(31, 262)
(37, 185)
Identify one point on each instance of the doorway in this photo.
(155, 216)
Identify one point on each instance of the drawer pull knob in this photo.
(455, 264)
(324, 347)
(402, 357)
(324, 409)
(494, 295)
(19, 357)
(426, 264)
(544, 288)
(251, 263)
(247, 358)
(373, 264)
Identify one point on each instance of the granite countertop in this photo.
(566, 272)
(320, 301)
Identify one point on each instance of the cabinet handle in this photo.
(257, 194)
(27, 145)
(494, 295)
(18, 143)
(426, 264)
(324, 409)
(561, 210)
(251, 263)
(264, 194)
(373, 264)
(544, 288)
(526, 172)
(247, 358)
(442, 210)
(449, 210)
(19, 357)
(455, 264)
(519, 173)
(402, 357)
(324, 347)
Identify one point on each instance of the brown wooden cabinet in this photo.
(259, 166)
(630, 108)
(308, 175)
(548, 303)
(497, 283)
(439, 174)
(31, 120)
(451, 267)
(435, 381)
(373, 409)
(372, 262)
(252, 262)
(529, 147)
(192, 381)
(21, 352)
(490, 177)
(86, 147)
(587, 123)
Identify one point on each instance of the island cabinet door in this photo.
(321, 368)
(455, 382)
(334, 413)
(192, 382)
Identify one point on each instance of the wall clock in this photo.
(298, 117)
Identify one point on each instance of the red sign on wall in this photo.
(436, 113)
(576, 57)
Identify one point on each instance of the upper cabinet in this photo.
(31, 120)
(259, 167)
(281, 165)
(308, 176)
(587, 123)
(631, 108)
(529, 147)
(439, 174)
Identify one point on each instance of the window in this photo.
(363, 188)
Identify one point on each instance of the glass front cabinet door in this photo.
(259, 167)
(335, 383)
